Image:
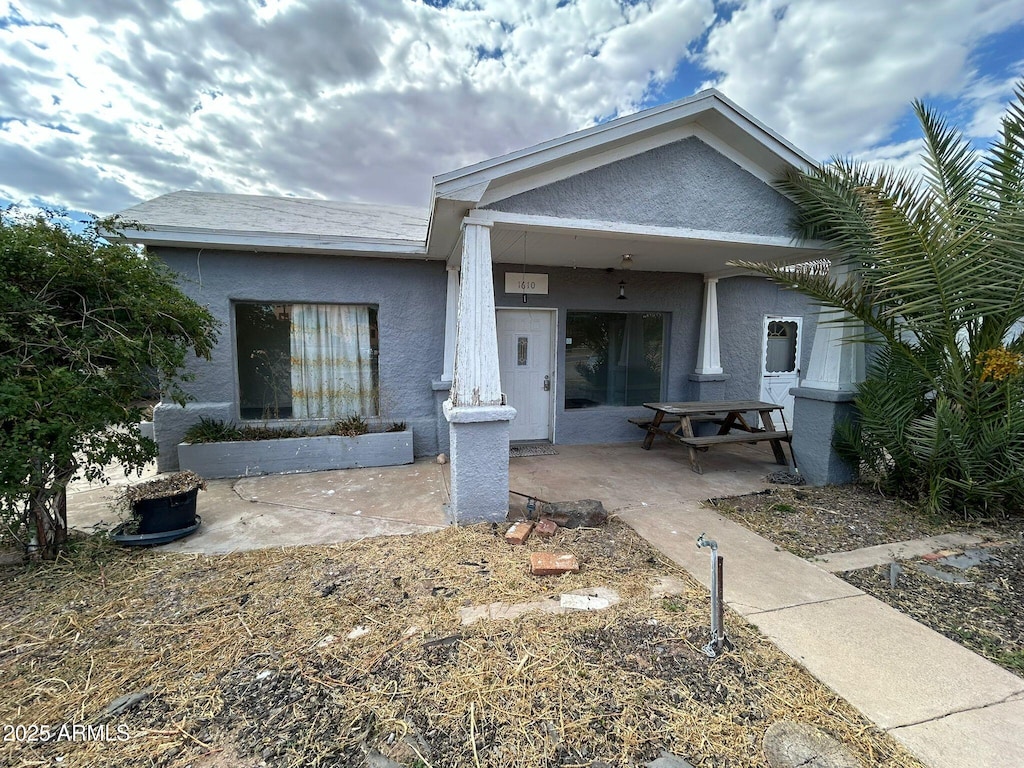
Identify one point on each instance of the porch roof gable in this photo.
(708, 115)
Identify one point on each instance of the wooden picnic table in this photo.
(727, 414)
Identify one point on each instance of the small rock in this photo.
(518, 533)
(328, 639)
(126, 702)
(586, 513)
(441, 642)
(668, 760)
(950, 578)
(553, 563)
(357, 632)
(895, 571)
(375, 759)
(969, 559)
(788, 744)
(545, 527)
(442, 458)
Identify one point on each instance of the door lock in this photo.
(547, 383)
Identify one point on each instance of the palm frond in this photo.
(935, 276)
(950, 162)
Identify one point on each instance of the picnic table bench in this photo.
(729, 415)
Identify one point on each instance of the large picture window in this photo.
(306, 361)
(613, 358)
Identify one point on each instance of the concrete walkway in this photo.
(947, 705)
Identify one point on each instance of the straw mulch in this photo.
(833, 518)
(245, 660)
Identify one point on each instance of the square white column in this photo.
(478, 422)
(709, 354)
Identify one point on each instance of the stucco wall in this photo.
(410, 296)
(742, 303)
(684, 184)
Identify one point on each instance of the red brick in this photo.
(545, 527)
(519, 532)
(938, 555)
(553, 563)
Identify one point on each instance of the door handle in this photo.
(547, 383)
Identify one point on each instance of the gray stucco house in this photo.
(544, 296)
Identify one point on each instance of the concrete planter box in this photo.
(296, 454)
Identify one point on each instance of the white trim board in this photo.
(615, 229)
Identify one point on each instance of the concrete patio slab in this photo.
(624, 475)
(412, 494)
(232, 523)
(293, 510)
(758, 575)
(992, 736)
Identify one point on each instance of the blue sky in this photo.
(105, 103)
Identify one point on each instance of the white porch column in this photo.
(451, 315)
(478, 422)
(708, 377)
(709, 355)
(837, 361)
(825, 396)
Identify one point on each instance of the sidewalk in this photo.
(946, 704)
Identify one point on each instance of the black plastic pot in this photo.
(170, 513)
(150, 539)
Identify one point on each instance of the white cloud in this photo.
(313, 97)
(986, 99)
(835, 76)
(107, 102)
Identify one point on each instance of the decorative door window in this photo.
(521, 350)
(780, 354)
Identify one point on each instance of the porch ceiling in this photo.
(706, 253)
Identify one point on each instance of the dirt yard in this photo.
(332, 656)
(977, 600)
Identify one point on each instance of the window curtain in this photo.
(331, 367)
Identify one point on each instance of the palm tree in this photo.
(936, 279)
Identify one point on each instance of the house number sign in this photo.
(525, 282)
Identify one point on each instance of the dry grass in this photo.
(238, 654)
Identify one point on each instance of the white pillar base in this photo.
(479, 462)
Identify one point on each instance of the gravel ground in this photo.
(980, 606)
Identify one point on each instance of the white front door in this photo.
(527, 369)
(780, 362)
